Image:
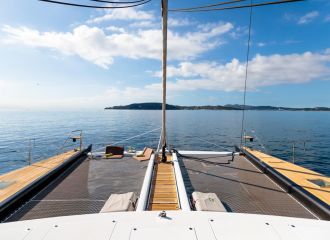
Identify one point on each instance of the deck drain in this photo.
(320, 182)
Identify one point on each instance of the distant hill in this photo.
(158, 106)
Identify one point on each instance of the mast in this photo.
(164, 64)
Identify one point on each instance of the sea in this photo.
(302, 137)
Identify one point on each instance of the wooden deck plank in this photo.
(297, 174)
(165, 176)
(22, 177)
(158, 207)
(165, 190)
(164, 194)
(164, 200)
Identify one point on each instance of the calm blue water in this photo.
(275, 132)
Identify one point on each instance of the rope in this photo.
(214, 144)
(234, 7)
(164, 74)
(130, 138)
(246, 73)
(160, 140)
(118, 2)
(260, 141)
(207, 6)
(94, 6)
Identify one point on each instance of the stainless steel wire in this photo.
(95, 6)
(191, 9)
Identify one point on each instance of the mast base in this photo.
(164, 154)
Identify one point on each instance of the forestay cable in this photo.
(246, 73)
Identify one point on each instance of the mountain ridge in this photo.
(158, 106)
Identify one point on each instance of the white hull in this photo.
(177, 225)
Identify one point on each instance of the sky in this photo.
(60, 57)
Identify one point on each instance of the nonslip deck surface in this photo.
(164, 194)
(17, 180)
(239, 185)
(301, 176)
(84, 189)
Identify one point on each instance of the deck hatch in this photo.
(320, 182)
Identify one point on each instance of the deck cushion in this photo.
(147, 152)
(120, 203)
(207, 202)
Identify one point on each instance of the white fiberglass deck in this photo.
(177, 225)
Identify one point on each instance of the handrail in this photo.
(144, 194)
(183, 198)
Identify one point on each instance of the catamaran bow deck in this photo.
(240, 185)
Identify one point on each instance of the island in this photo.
(158, 106)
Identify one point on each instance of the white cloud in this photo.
(145, 24)
(177, 22)
(327, 18)
(14, 95)
(115, 29)
(126, 14)
(307, 18)
(238, 32)
(263, 71)
(261, 44)
(94, 45)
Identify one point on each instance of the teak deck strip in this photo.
(20, 178)
(297, 174)
(164, 195)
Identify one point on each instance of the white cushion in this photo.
(207, 202)
(120, 203)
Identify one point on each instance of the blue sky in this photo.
(58, 57)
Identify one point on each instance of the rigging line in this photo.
(207, 6)
(214, 144)
(246, 74)
(237, 7)
(118, 2)
(160, 140)
(130, 138)
(93, 6)
(259, 141)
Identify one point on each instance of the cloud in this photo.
(261, 44)
(145, 24)
(187, 76)
(263, 71)
(115, 29)
(94, 45)
(176, 22)
(307, 18)
(327, 18)
(14, 96)
(126, 14)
